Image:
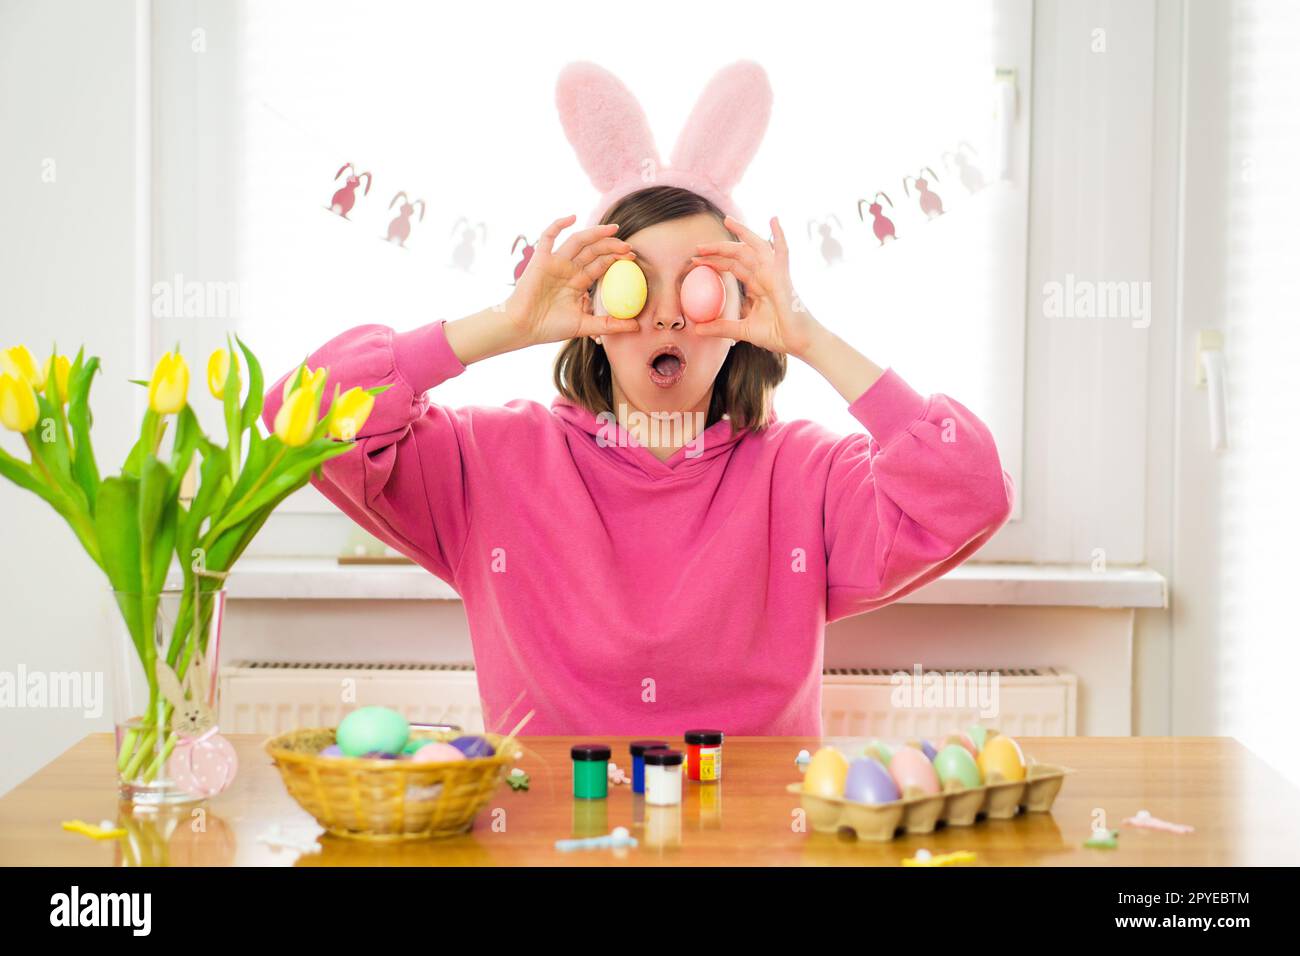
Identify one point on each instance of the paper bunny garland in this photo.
(608, 130)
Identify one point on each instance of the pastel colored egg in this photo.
(913, 772)
(473, 746)
(826, 773)
(925, 747)
(880, 751)
(414, 744)
(964, 741)
(331, 751)
(956, 768)
(623, 289)
(980, 735)
(703, 294)
(437, 752)
(1002, 760)
(869, 782)
(370, 729)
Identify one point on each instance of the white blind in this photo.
(1260, 512)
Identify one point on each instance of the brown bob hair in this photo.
(743, 389)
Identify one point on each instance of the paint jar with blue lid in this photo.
(638, 749)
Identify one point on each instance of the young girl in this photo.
(625, 578)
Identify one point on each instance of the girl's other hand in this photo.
(549, 303)
(771, 316)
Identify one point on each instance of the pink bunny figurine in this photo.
(203, 762)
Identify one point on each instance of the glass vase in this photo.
(165, 655)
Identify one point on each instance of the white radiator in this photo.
(268, 697)
(1031, 702)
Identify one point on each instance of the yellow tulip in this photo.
(349, 413)
(18, 408)
(19, 363)
(310, 380)
(296, 419)
(218, 370)
(57, 369)
(170, 384)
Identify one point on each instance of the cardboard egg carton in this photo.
(957, 807)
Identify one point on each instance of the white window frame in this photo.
(1086, 380)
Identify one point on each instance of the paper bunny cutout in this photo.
(608, 130)
(192, 716)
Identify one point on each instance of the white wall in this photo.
(68, 268)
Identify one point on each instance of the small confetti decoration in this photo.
(1103, 840)
(517, 779)
(276, 840)
(1145, 821)
(925, 858)
(620, 837)
(105, 831)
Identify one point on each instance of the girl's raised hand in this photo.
(548, 304)
(771, 316)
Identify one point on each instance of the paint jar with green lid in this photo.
(590, 771)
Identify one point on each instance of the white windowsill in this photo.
(315, 579)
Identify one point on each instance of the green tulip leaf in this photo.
(292, 473)
(151, 431)
(213, 485)
(52, 437)
(253, 404)
(189, 433)
(117, 525)
(157, 522)
(24, 476)
(84, 469)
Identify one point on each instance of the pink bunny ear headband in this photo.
(609, 132)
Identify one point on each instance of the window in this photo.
(258, 104)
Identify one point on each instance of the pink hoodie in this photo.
(625, 595)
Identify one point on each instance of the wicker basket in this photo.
(387, 800)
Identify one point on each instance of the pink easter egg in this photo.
(964, 740)
(911, 770)
(437, 752)
(703, 294)
(205, 766)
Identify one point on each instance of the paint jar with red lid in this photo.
(704, 755)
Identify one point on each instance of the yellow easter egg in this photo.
(826, 773)
(1001, 760)
(623, 289)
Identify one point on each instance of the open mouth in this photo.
(667, 365)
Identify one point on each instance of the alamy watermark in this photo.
(918, 688)
(659, 429)
(180, 298)
(1086, 299)
(52, 690)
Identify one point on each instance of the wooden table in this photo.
(1244, 814)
